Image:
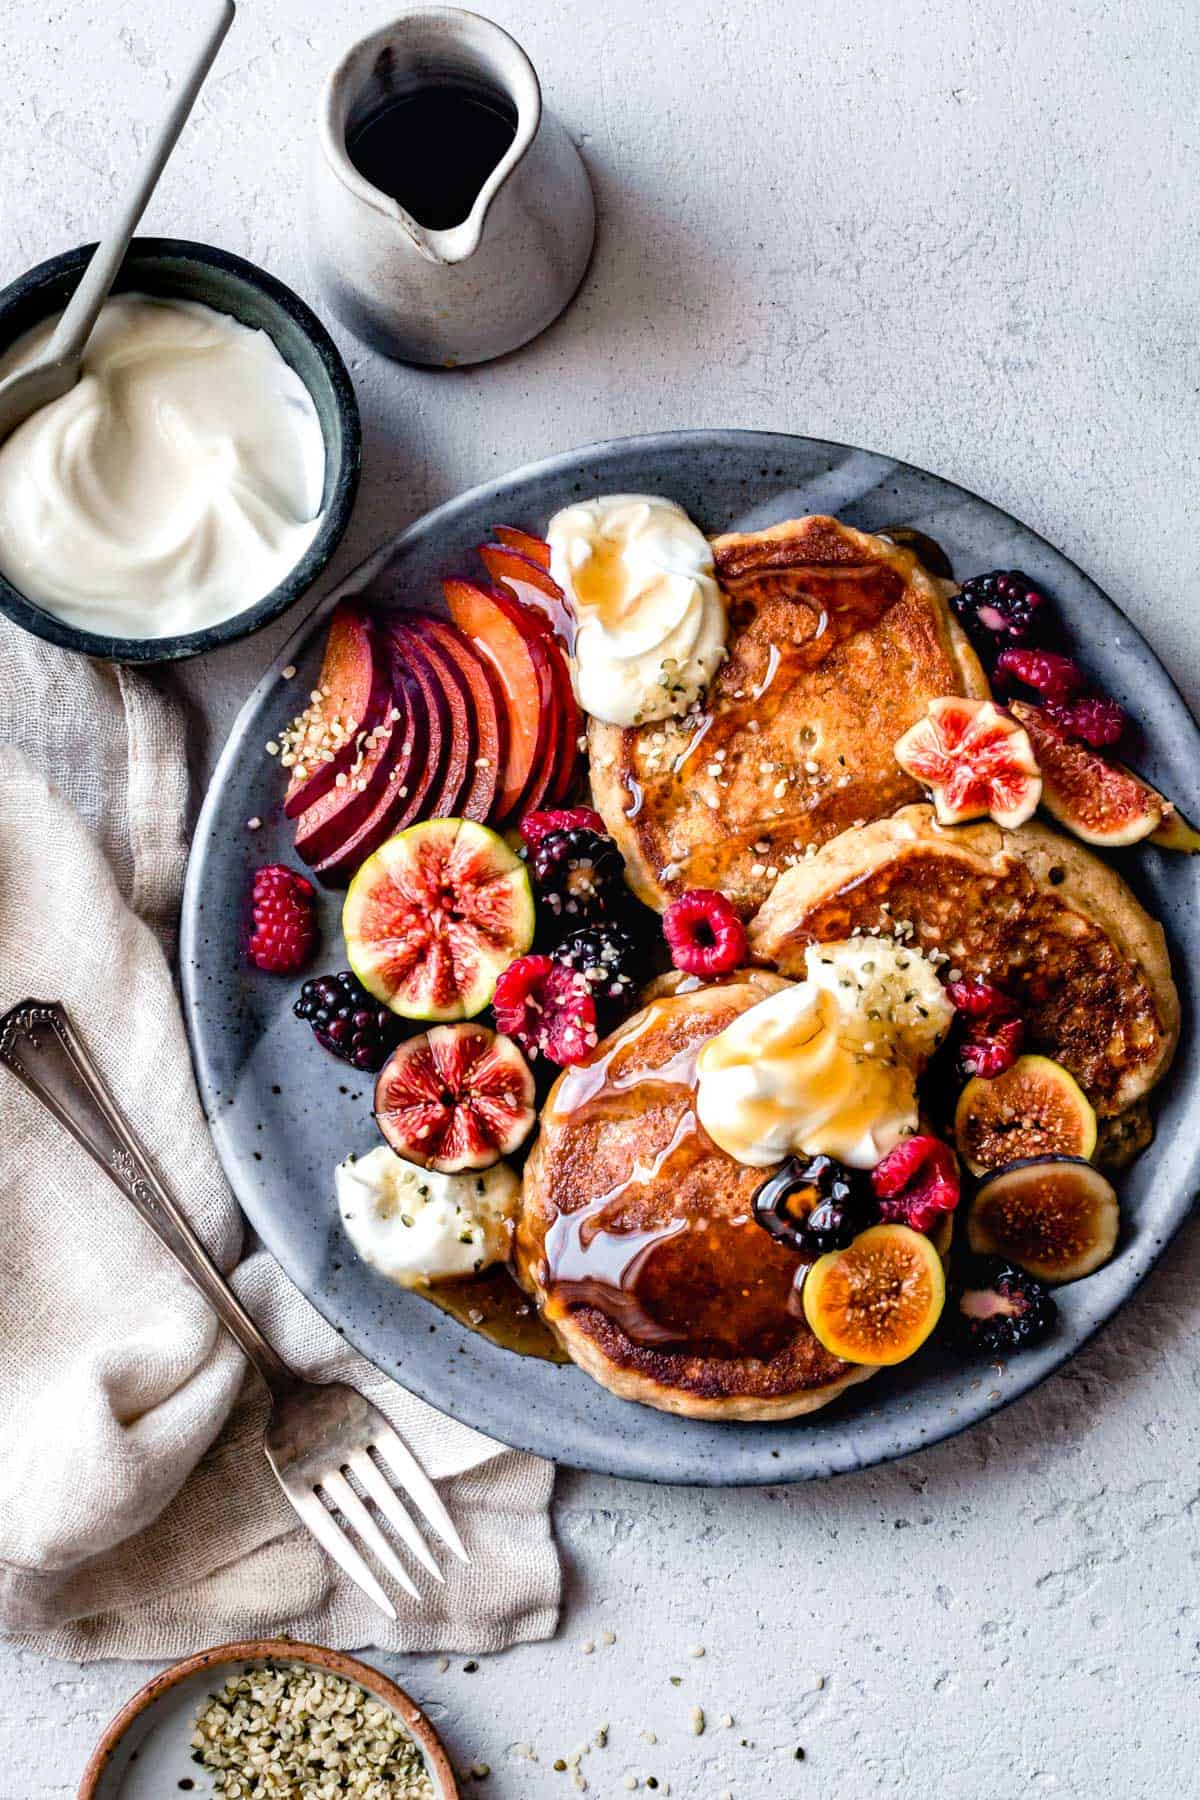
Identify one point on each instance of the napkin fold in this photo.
(138, 1515)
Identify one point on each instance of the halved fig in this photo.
(976, 761)
(1035, 1108)
(1099, 801)
(1056, 1217)
(435, 916)
(352, 695)
(1176, 833)
(877, 1301)
(456, 1097)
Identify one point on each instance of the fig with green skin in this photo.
(1177, 833)
(434, 918)
(1099, 801)
(1035, 1108)
(876, 1302)
(1054, 1216)
(1121, 1139)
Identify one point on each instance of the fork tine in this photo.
(357, 1516)
(329, 1534)
(420, 1489)
(389, 1505)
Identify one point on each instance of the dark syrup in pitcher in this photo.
(433, 149)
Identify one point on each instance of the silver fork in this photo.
(319, 1434)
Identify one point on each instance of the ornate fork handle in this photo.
(39, 1044)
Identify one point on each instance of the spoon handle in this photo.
(75, 326)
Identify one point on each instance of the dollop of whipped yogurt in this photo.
(417, 1226)
(829, 1066)
(650, 623)
(176, 483)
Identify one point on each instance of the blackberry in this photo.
(1003, 608)
(815, 1205)
(578, 876)
(350, 1023)
(1001, 1309)
(609, 961)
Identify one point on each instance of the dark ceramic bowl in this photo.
(178, 270)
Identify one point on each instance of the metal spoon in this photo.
(57, 367)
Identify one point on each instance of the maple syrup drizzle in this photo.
(492, 1305)
(704, 1282)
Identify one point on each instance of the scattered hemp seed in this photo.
(469, 1668)
(697, 1721)
(254, 824)
(443, 1663)
(727, 1720)
(559, 1764)
(480, 1771)
(676, 1680)
(609, 1637)
(588, 1646)
(630, 1782)
(649, 1737)
(696, 1650)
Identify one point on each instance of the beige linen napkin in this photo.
(138, 1516)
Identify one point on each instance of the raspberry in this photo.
(549, 1010)
(537, 825)
(704, 934)
(609, 960)
(991, 1048)
(1054, 677)
(285, 925)
(1095, 718)
(347, 1021)
(917, 1182)
(976, 998)
(578, 875)
(1002, 1309)
(1003, 606)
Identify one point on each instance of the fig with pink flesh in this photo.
(456, 1097)
(975, 760)
(1100, 801)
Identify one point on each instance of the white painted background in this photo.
(963, 233)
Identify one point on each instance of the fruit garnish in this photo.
(435, 915)
(1035, 1108)
(537, 825)
(704, 933)
(1093, 718)
(609, 960)
(352, 695)
(456, 1097)
(284, 931)
(535, 548)
(1102, 802)
(917, 1182)
(1176, 833)
(975, 760)
(494, 624)
(578, 876)
(486, 724)
(1055, 1217)
(549, 1010)
(1002, 1309)
(347, 1021)
(815, 1204)
(1054, 677)
(975, 998)
(1002, 607)
(987, 1050)
(877, 1301)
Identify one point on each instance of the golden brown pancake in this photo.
(1028, 909)
(837, 641)
(635, 1234)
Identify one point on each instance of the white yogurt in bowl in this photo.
(177, 484)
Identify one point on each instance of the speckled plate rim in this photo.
(283, 1650)
(877, 1433)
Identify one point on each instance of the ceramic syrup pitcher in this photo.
(426, 246)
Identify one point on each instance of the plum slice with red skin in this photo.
(531, 584)
(486, 705)
(456, 1097)
(339, 812)
(355, 671)
(535, 548)
(448, 728)
(477, 612)
(410, 778)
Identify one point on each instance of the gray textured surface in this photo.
(966, 235)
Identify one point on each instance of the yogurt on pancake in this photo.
(417, 1226)
(650, 622)
(829, 1066)
(176, 483)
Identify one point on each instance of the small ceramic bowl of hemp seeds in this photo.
(269, 1720)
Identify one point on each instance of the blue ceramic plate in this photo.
(283, 1114)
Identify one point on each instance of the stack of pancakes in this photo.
(635, 1235)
